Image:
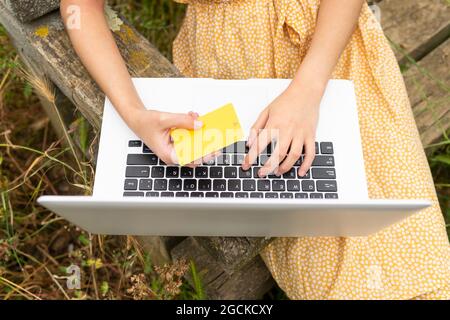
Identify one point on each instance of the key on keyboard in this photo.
(223, 177)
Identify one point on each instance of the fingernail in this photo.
(302, 173)
(250, 141)
(198, 124)
(173, 156)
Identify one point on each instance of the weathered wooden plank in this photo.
(158, 248)
(428, 85)
(415, 25)
(27, 10)
(46, 43)
(249, 282)
(233, 252)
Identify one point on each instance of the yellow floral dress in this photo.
(268, 39)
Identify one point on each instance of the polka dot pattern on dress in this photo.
(238, 39)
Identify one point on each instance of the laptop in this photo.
(135, 193)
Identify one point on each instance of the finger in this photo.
(191, 165)
(262, 140)
(179, 120)
(217, 153)
(310, 153)
(197, 162)
(278, 154)
(294, 154)
(213, 155)
(208, 158)
(259, 124)
(193, 114)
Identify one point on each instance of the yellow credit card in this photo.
(221, 128)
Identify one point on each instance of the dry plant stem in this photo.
(4, 145)
(44, 140)
(11, 217)
(93, 270)
(26, 279)
(101, 244)
(46, 269)
(15, 287)
(15, 162)
(46, 254)
(45, 90)
(5, 77)
(25, 179)
(23, 175)
(137, 248)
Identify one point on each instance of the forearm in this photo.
(336, 22)
(97, 49)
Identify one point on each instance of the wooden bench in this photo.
(230, 266)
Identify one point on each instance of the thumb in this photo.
(180, 120)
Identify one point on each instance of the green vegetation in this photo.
(36, 246)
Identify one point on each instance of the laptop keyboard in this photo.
(147, 176)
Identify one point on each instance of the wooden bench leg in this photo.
(250, 281)
(158, 248)
(232, 253)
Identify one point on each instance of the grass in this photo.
(36, 246)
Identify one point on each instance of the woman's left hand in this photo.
(290, 120)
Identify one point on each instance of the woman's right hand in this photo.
(93, 35)
(153, 127)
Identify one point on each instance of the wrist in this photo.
(308, 82)
(133, 116)
(311, 76)
(311, 88)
